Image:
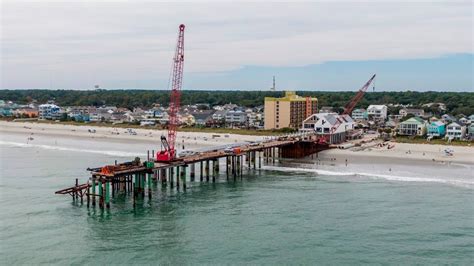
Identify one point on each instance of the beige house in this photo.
(288, 111)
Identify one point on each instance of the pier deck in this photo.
(136, 176)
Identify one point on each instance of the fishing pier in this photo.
(137, 177)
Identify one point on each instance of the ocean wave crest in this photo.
(457, 182)
(71, 149)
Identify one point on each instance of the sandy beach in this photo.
(401, 152)
(188, 139)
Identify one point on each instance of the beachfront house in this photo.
(377, 112)
(470, 131)
(236, 117)
(49, 111)
(446, 118)
(455, 131)
(414, 126)
(322, 123)
(202, 117)
(360, 114)
(436, 129)
(471, 119)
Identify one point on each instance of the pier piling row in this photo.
(136, 178)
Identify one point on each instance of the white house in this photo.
(49, 111)
(378, 112)
(322, 123)
(455, 131)
(236, 117)
(471, 119)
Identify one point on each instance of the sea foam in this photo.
(456, 182)
(70, 149)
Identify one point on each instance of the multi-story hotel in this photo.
(288, 111)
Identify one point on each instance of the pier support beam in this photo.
(101, 194)
(183, 176)
(177, 177)
(107, 195)
(163, 176)
(149, 185)
(192, 172)
(207, 170)
(93, 190)
(201, 171)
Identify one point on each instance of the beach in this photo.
(401, 152)
(122, 135)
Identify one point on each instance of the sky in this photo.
(230, 45)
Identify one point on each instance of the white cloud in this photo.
(81, 42)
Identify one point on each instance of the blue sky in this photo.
(319, 45)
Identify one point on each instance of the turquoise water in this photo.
(269, 217)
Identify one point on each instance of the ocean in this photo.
(288, 213)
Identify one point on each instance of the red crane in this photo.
(168, 151)
(349, 107)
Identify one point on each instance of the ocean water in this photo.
(282, 214)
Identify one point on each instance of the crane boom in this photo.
(350, 107)
(169, 151)
(355, 100)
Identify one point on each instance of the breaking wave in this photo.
(456, 182)
(71, 149)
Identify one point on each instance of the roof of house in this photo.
(412, 120)
(454, 124)
(437, 123)
(377, 107)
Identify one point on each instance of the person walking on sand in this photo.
(346, 162)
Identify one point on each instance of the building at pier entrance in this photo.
(288, 111)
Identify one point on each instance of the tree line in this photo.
(456, 102)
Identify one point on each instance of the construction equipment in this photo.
(348, 109)
(168, 151)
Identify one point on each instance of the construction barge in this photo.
(137, 177)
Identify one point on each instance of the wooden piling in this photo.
(192, 172)
(201, 171)
(177, 177)
(107, 194)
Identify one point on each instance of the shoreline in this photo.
(408, 152)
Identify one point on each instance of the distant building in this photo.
(49, 111)
(203, 117)
(236, 117)
(409, 111)
(326, 109)
(470, 131)
(436, 129)
(26, 112)
(414, 126)
(322, 123)
(219, 116)
(288, 111)
(377, 112)
(455, 131)
(446, 118)
(471, 119)
(360, 114)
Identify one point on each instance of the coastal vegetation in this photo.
(456, 102)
